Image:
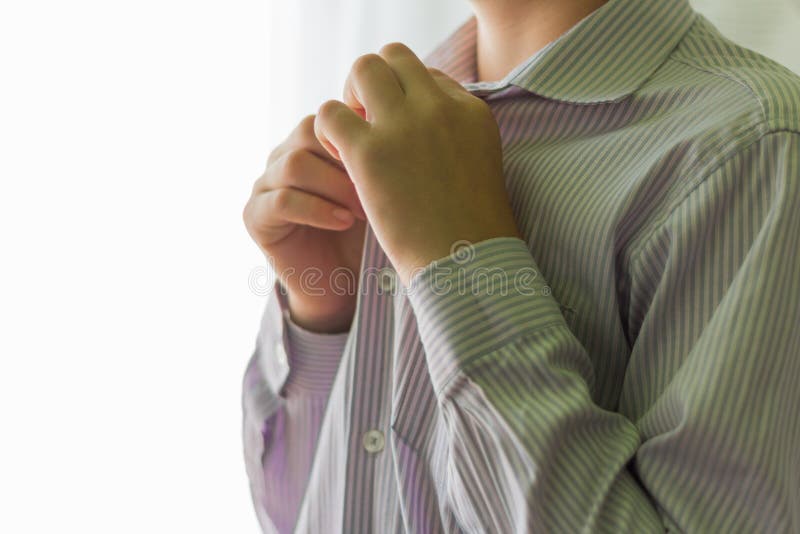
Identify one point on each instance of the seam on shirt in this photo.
(719, 73)
(464, 367)
(728, 77)
(636, 256)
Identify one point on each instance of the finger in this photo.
(303, 138)
(371, 87)
(338, 128)
(409, 69)
(446, 83)
(306, 171)
(278, 207)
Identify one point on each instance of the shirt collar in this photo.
(603, 58)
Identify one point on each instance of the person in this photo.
(545, 279)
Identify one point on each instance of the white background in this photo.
(130, 134)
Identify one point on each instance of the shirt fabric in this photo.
(631, 365)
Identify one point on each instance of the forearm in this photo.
(522, 427)
(527, 446)
(708, 412)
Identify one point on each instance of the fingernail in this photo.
(343, 215)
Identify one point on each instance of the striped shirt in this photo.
(641, 374)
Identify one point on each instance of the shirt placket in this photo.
(369, 455)
(368, 451)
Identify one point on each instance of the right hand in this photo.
(291, 216)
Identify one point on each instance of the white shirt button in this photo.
(280, 354)
(373, 441)
(388, 280)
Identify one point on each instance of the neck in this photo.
(510, 31)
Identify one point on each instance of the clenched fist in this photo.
(306, 217)
(424, 155)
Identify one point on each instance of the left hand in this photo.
(424, 155)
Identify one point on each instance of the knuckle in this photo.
(394, 49)
(306, 123)
(366, 64)
(328, 109)
(281, 201)
(470, 108)
(303, 135)
(293, 163)
(251, 217)
(305, 128)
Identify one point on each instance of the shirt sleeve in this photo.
(714, 365)
(286, 387)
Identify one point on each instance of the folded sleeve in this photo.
(711, 391)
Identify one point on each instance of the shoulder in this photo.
(763, 92)
(722, 100)
(736, 118)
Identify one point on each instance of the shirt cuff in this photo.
(293, 359)
(477, 300)
(313, 359)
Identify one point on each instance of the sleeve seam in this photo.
(463, 367)
(636, 255)
(766, 119)
(730, 78)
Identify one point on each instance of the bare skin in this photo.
(426, 162)
(290, 215)
(408, 149)
(510, 31)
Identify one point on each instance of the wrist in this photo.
(459, 247)
(322, 314)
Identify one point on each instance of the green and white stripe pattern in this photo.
(645, 378)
